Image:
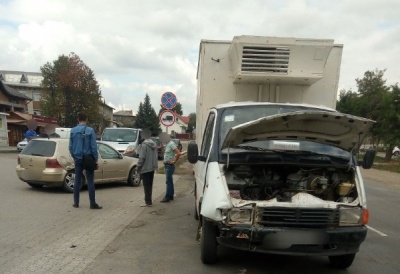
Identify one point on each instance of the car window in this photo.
(40, 148)
(107, 152)
(119, 135)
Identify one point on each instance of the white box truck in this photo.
(275, 165)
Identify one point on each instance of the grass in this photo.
(393, 165)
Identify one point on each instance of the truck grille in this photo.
(290, 217)
(265, 59)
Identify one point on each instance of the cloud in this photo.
(139, 47)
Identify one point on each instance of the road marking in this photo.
(377, 231)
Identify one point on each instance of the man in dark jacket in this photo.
(83, 141)
(147, 164)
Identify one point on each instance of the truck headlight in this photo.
(351, 216)
(240, 215)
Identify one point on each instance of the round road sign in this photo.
(168, 100)
(167, 118)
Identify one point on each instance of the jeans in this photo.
(169, 171)
(78, 182)
(148, 178)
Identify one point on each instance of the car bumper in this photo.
(292, 241)
(49, 176)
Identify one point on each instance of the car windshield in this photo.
(119, 135)
(40, 148)
(237, 115)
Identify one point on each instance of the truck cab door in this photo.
(203, 158)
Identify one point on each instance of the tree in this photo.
(192, 122)
(147, 118)
(378, 102)
(69, 87)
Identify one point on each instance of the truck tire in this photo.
(208, 242)
(341, 261)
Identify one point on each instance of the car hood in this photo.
(333, 128)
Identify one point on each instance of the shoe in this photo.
(75, 205)
(146, 205)
(95, 206)
(165, 200)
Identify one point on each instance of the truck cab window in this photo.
(208, 132)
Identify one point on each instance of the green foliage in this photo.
(376, 101)
(69, 87)
(192, 122)
(147, 118)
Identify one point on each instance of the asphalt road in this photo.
(42, 233)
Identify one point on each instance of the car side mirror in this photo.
(192, 152)
(368, 159)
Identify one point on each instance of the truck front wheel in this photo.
(341, 261)
(208, 242)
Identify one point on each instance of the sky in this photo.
(151, 47)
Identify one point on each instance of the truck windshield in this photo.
(119, 135)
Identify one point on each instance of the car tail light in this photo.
(365, 216)
(52, 163)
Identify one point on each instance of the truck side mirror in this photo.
(368, 159)
(192, 152)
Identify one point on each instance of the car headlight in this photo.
(240, 215)
(353, 216)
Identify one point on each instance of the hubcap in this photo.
(70, 180)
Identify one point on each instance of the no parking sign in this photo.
(168, 100)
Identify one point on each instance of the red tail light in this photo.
(53, 163)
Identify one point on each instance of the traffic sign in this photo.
(168, 100)
(167, 118)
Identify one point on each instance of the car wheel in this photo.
(341, 261)
(396, 153)
(69, 180)
(134, 178)
(35, 185)
(208, 242)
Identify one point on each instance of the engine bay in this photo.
(265, 182)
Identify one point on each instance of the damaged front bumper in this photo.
(292, 241)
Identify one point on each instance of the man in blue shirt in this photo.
(30, 134)
(83, 141)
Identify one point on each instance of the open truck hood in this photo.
(332, 128)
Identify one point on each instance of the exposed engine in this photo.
(267, 182)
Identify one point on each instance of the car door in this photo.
(112, 165)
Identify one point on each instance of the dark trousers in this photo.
(148, 178)
(78, 182)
